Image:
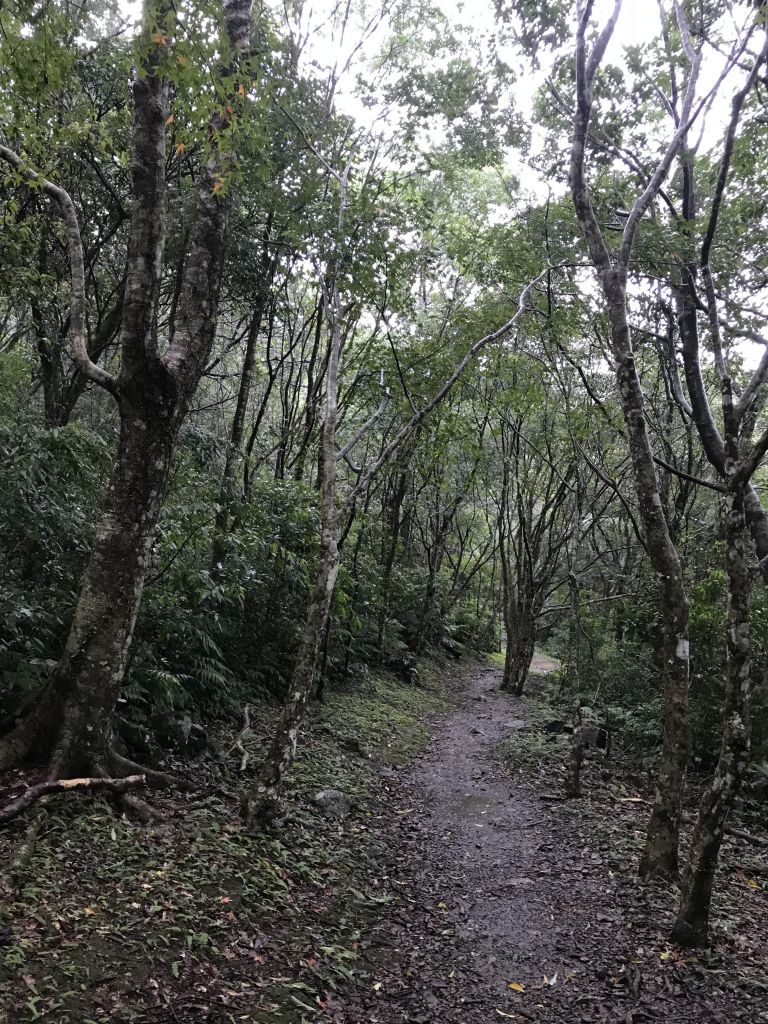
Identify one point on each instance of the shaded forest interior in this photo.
(351, 358)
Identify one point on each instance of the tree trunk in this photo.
(660, 856)
(396, 522)
(521, 642)
(48, 349)
(692, 924)
(700, 412)
(71, 721)
(427, 613)
(661, 850)
(227, 491)
(573, 775)
(263, 804)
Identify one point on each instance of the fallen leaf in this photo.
(515, 986)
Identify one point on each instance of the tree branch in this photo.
(77, 332)
(33, 793)
(422, 413)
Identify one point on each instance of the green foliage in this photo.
(50, 485)
(208, 639)
(215, 639)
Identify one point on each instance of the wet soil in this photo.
(507, 903)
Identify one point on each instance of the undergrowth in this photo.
(611, 819)
(195, 919)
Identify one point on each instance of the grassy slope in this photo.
(193, 919)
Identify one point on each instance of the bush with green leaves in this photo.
(50, 483)
(209, 638)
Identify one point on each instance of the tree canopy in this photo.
(338, 338)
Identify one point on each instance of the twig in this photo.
(243, 734)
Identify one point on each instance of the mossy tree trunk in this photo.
(263, 803)
(71, 722)
(576, 757)
(660, 856)
(691, 927)
(736, 459)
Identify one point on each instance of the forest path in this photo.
(508, 903)
(482, 906)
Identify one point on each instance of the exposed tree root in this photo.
(112, 772)
(34, 793)
(139, 809)
(155, 779)
(24, 850)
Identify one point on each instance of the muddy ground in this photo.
(509, 904)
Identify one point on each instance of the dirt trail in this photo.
(493, 830)
(507, 906)
(476, 871)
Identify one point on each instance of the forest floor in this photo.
(460, 890)
(513, 904)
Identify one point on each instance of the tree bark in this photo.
(573, 775)
(427, 613)
(227, 491)
(520, 627)
(691, 927)
(35, 793)
(660, 856)
(661, 850)
(395, 526)
(72, 721)
(741, 509)
(74, 715)
(263, 804)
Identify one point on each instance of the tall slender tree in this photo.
(661, 851)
